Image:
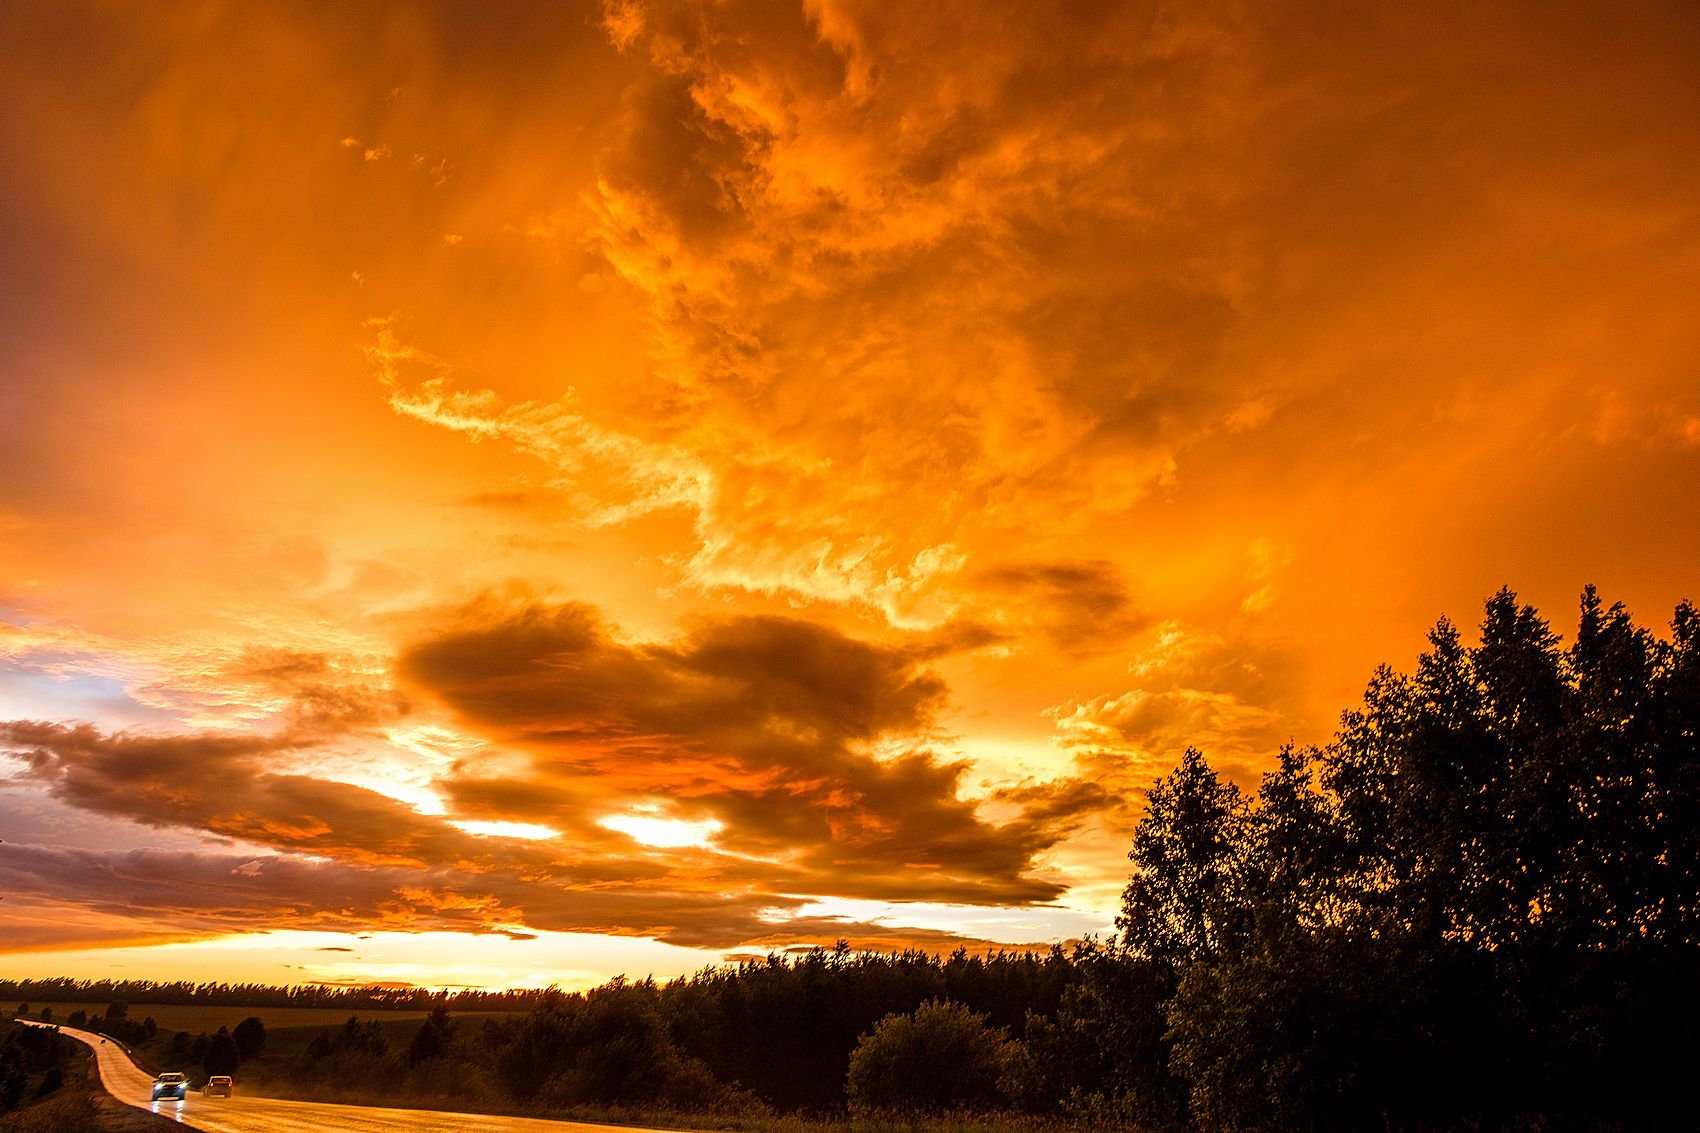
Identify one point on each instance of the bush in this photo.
(70, 1111)
(222, 1056)
(943, 1057)
(250, 1036)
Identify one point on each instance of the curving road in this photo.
(132, 1085)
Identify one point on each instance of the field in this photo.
(196, 1018)
(288, 1029)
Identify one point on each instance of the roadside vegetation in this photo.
(1478, 907)
(46, 1087)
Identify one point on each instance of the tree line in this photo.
(60, 989)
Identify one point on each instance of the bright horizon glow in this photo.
(572, 961)
(666, 833)
(530, 831)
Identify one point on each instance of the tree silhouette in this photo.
(433, 1037)
(1475, 907)
(250, 1036)
(222, 1056)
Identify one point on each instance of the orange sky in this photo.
(506, 493)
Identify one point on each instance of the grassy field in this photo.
(288, 1029)
(196, 1018)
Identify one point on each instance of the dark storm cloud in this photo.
(1083, 606)
(143, 892)
(803, 751)
(806, 746)
(220, 784)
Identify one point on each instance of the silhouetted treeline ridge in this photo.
(63, 990)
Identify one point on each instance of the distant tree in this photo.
(611, 1047)
(23, 1010)
(46, 1015)
(433, 1037)
(149, 1027)
(78, 1018)
(222, 1056)
(943, 1057)
(117, 1009)
(352, 1038)
(250, 1036)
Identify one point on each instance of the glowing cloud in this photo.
(653, 830)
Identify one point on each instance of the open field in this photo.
(288, 1030)
(196, 1018)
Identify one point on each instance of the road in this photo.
(132, 1085)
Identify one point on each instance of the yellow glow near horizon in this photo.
(663, 833)
(531, 831)
(573, 961)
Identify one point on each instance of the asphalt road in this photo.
(132, 1085)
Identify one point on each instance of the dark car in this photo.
(220, 1086)
(172, 1085)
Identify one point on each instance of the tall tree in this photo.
(1185, 893)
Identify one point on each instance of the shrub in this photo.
(250, 1036)
(943, 1057)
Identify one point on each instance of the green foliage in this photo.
(941, 1058)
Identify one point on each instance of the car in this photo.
(220, 1086)
(172, 1085)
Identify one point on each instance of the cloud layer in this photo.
(796, 761)
(663, 467)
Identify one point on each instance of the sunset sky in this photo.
(501, 494)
